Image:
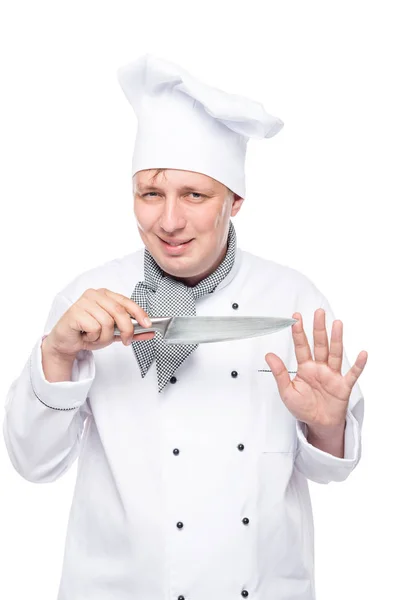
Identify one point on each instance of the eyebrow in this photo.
(185, 188)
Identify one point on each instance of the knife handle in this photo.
(157, 324)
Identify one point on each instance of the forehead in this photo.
(174, 178)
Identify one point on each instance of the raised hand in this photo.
(319, 394)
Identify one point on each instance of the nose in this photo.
(172, 217)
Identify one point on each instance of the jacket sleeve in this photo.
(44, 421)
(312, 462)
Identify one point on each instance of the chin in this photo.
(180, 266)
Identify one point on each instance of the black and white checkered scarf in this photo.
(163, 296)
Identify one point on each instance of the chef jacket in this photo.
(196, 493)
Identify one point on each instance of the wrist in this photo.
(326, 432)
(329, 438)
(51, 352)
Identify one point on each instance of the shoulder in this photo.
(118, 275)
(264, 274)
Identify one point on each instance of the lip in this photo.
(174, 250)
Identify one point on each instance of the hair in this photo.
(156, 174)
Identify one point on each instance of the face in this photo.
(183, 206)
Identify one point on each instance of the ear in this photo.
(236, 204)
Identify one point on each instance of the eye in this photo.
(197, 195)
(152, 194)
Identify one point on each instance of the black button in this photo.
(181, 597)
(179, 525)
(176, 451)
(245, 593)
(235, 305)
(234, 373)
(173, 379)
(245, 521)
(241, 447)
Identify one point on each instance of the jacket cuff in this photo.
(62, 395)
(352, 446)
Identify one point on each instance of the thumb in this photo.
(279, 371)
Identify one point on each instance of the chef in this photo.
(193, 459)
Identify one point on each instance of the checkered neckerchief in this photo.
(164, 296)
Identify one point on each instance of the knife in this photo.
(197, 330)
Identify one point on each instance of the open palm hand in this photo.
(319, 394)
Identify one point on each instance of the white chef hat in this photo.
(187, 125)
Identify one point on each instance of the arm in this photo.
(323, 455)
(44, 420)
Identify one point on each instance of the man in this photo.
(193, 465)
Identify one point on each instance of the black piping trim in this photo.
(34, 391)
(269, 371)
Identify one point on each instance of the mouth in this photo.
(173, 247)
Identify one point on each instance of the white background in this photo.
(322, 197)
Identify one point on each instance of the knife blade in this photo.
(199, 330)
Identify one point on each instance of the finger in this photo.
(301, 346)
(354, 373)
(279, 371)
(131, 307)
(89, 325)
(139, 337)
(106, 313)
(321, 343)
(335, 357)
(107, 300)
(143, 336)
(122, 318)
